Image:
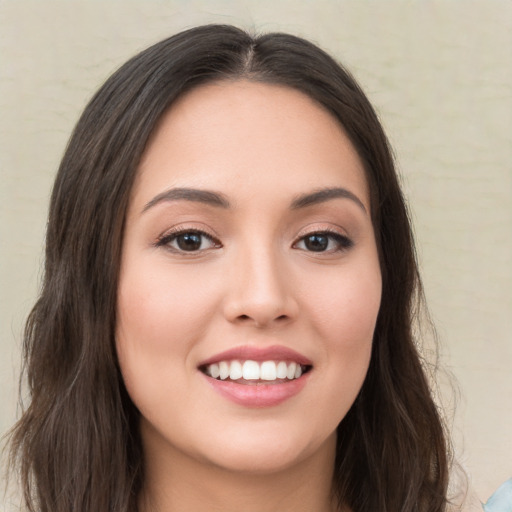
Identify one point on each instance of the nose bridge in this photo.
(258, 289)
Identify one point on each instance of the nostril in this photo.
(280, 318)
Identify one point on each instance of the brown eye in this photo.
(316, 242)
(324, 242)
(188, 241)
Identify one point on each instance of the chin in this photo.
(267, 454)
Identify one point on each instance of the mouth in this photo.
(251, 372)
(257, 377)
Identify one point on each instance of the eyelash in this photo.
(170, 236)
(343, 242)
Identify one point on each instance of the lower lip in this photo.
(258, 395)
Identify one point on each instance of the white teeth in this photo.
(291, 370)
(268, 370)
(282, 370)
(235, 370)
(252, 370)
(223, 370)
(214, 370)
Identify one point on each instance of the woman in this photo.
(230, 283)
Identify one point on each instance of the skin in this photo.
(254, 283)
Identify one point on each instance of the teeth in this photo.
(252, 370)
(214, 370)
(268, 370)
(282, 370)
(235, 370)
(290, 374)
(223, 370)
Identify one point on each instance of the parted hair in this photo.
(77, 445)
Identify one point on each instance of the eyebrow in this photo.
(189, 194)
(219, 200)
(326, 194)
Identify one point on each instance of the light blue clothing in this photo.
(501, 500)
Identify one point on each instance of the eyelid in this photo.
(341, 237)
(313, 228)
(172, 233)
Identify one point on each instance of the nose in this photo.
(260, 293)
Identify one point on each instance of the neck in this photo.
(176, 482)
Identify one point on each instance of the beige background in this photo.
(440, 76)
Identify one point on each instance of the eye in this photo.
(324, 241)
(188, 241)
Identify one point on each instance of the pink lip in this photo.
(260, 354)
(258, 395)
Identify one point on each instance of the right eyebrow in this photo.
(326, 194)
(189, 194)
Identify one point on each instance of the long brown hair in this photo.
(77, 444)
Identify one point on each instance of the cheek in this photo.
(159, 310)
(339, 314)
(160, 316)
(346, 305)
(344, 314)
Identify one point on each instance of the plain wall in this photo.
(440, 76)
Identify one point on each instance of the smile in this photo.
(257, 376)
(254, 371)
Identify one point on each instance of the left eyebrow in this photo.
(189, 194)
(326, 194)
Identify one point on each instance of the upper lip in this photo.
(259, 354)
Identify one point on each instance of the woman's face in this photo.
(250, 282)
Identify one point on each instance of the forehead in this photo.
(230, 135)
